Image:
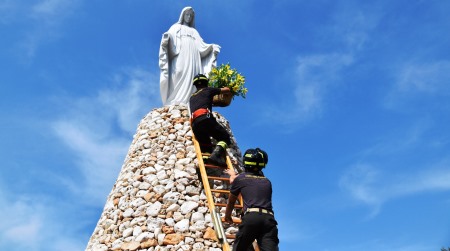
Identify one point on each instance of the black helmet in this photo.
(255, 158)
(200, 79)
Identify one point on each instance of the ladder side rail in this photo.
(211, 205)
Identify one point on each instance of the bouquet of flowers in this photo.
(224, 76)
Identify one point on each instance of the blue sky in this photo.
(351, 100)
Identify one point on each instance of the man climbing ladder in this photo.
(258, 222)
(204, 125)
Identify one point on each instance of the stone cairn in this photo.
(158, 202)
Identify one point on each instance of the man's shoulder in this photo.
(247, 175)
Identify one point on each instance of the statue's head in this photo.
(187, 17)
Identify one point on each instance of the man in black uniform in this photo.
(258, 222)
(204, 125)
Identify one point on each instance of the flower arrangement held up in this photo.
(224, 76)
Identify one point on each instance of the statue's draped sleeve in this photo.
(167, 50)
(164, 66)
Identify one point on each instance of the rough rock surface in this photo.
(157, 202)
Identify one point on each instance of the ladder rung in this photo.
(224, 205)
(214, 166)
(219, 178)
(235, 220)
(231, 236)
(220, 191)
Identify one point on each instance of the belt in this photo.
(198, 113)
(258, 210)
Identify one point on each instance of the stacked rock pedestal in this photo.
(157, 202)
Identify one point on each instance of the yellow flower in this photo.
(224, 76)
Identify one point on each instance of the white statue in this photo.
(182, 55)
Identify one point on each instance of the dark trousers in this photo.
(257, 226)
(206, 128)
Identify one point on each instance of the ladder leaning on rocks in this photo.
(217, 202)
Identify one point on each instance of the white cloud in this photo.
(51, 7)
(431, 78)
(33, 223)
(98, 129)
(26, 232)
(25, 226)
(370, 185)
(41, 21)
(314, 75)
(353, 24)
(419, 81)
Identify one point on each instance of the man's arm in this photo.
(224, 90)
(232, 174)
(231, 200)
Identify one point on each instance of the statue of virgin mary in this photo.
(182, 55)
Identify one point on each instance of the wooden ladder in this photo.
(214, 207)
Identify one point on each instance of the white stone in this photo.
(231, 230)
(170, 222)
(137, 231)
(188, 206)
(143, 236)
(159, 189)
(178, 127)
(144, 186)
(161, 175)
(184, 161)
(198, 226)
(117, 245)
(151, 178)
(198, 246)
(173, 208)
(189, 240)
(182, 226)
(149, 170)
(170, 162)
(100, 247)
(208, 218)
(196, 216)
(177, 216)
(170, 185)
(127, 232)
(181, 188)
(137, 220)
(202, 210)
(180, 174)
(128, 212)
(137, 202)
(161, 239)
(153, 210)
(195, 198)
(153, 224)
(141, 193)
(171, 197)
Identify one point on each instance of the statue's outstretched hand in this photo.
(216, 49)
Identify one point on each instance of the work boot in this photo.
(206, 157)
(217, 157)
